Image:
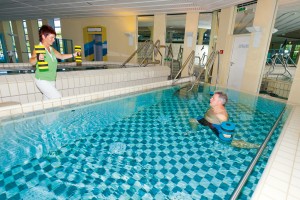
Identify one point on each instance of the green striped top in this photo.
(49, 74)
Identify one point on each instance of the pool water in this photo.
(134, 147)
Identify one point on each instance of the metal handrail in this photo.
(255, 159)
(180, 54)
(157, 50)
(148, 54)
(191, 60)
(209, 63)
(146, 43)
(197, 78)
(154, 50)
(170, 52)
(208, 67)
(170, 55)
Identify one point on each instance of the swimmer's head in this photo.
(220, 96)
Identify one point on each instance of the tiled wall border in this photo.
(21, 110)
(21, 88)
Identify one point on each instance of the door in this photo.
(238, 61)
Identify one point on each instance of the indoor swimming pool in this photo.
(138, 146)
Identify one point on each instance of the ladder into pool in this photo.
(198, 71)
(148, 53)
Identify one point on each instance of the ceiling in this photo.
(33, 9)
(287, 21)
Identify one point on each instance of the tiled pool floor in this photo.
(161, 161)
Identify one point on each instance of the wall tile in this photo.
(58, 84)
(4, 90)
(65, 83)
(71, 82)
(22, 88)
(30, 87)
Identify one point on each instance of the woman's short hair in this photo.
(222, 96)
(45, 30)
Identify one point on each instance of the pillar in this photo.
(259, 45)
(201, 32)
(20, 42)
(214, 31)
(224, 42)
(159, 32)
(32, 28)
(190, 37)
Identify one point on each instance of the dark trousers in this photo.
(204, 122)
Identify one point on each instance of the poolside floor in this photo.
(281, 178)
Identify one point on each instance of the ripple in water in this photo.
(164, 119)
(180, 196)
(38, 192)
(39, 151)
(246, 117)
(117, 148)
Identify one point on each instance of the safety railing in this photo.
(151, 55)
(150, 52)
(277, 60)
(145, 45)
(207, 68)
(209, 64)
(242, 182)
(188, 62)
(170, 58)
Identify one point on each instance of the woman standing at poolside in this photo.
(45, 79)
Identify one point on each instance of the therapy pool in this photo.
(138, 146)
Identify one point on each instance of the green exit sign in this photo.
(240, 9)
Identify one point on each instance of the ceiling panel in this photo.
(287, 20)
(29, 9)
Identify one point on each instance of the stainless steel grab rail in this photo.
(255, 159)
(190, 60)
(146, 44)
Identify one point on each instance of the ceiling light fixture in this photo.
(253, 29)
(274, 30)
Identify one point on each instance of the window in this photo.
(13, 51)
(26, 38)
(40, 23)
(57, 28)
